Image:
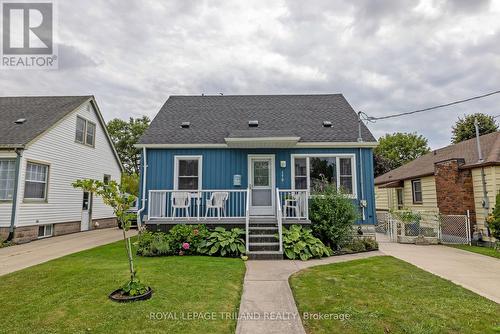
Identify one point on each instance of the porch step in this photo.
(262, 230)
(264, 246)
(265, 255)
(262, 238)
(263, 224)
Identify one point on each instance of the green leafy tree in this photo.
(124, 136)
(400, 148)
(464, 128)
(382, 165)
(120, 201)
(130, 184)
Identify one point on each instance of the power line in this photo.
(372, 119)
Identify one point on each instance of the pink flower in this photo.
(185, 246)
(195, 231)
(181, 253)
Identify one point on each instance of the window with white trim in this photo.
(312, 172)
(45, 231)
(85, 131)
(187, 173)
(35, 185)
(416, 189)
(7, 179)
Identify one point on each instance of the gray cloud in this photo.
(384, 56)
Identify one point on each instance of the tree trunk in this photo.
(129, 255)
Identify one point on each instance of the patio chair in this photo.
(292, 204)
(181, 201)
(217, 201)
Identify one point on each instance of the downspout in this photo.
(485, 202)
(13, 215)
(362, 201)
(144, 178)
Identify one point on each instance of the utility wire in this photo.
(373, 119)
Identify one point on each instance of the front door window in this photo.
(261, 184)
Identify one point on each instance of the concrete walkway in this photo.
(476, 272)
(18, 257)
(267, 304)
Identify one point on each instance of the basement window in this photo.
(45, 231)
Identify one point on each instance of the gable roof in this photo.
(215, 118)
(40, 114)
(466, 150)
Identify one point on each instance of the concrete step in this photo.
(267, 230)
(263, 224)
(265, 255)
(262, 238)
(264, 246)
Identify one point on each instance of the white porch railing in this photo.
(279, 218)
(294, 204)
(247, 222)
(198, 205)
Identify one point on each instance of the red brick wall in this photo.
(454, 189)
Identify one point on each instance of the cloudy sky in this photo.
(385, 56)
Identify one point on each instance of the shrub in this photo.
(494, 221)
(186, 239)
(370, 243)
(224, 243)
(154, 244)
(332, 214)
(300, 243)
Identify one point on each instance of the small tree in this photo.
(120, 201)
(464, 128)
(332, 215)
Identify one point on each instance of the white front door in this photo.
(261, 184)
(85, 225)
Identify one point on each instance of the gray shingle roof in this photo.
(40, 114)
(214, 118)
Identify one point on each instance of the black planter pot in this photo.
(116, 296)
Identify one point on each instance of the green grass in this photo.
(386, 295)
(69, 295)
(479, 250)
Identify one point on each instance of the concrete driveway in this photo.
(476, 272)
(18, 257)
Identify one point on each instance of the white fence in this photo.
(431, 227)
(294, 204)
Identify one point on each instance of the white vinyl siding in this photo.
(68, 161)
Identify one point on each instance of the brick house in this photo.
(448, 180)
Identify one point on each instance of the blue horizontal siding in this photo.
(219, 166)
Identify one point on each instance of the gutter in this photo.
(144, 178)
(13, 215)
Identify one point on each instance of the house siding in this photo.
(492, 177)
(68, 161)
(219, 166)
(429, 197)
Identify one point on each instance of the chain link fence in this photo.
(424, 227)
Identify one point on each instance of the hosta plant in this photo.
(299, 243)
(224, 243)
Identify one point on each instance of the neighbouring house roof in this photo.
(466, 150)
(221, 119)
(40, 113)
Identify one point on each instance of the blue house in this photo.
(252, 161)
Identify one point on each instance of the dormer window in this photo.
(253, 124)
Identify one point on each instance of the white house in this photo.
(46, 143)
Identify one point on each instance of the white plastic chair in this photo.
(292, 202)
(181, 201)
(217, 201)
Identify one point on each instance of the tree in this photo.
(464, 128)
(120, 201)
(399, 148)
(130, 184)
(124, 136)
(381, 165)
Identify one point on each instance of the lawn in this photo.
(69, 294)
(386, 295)
(479, 250)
